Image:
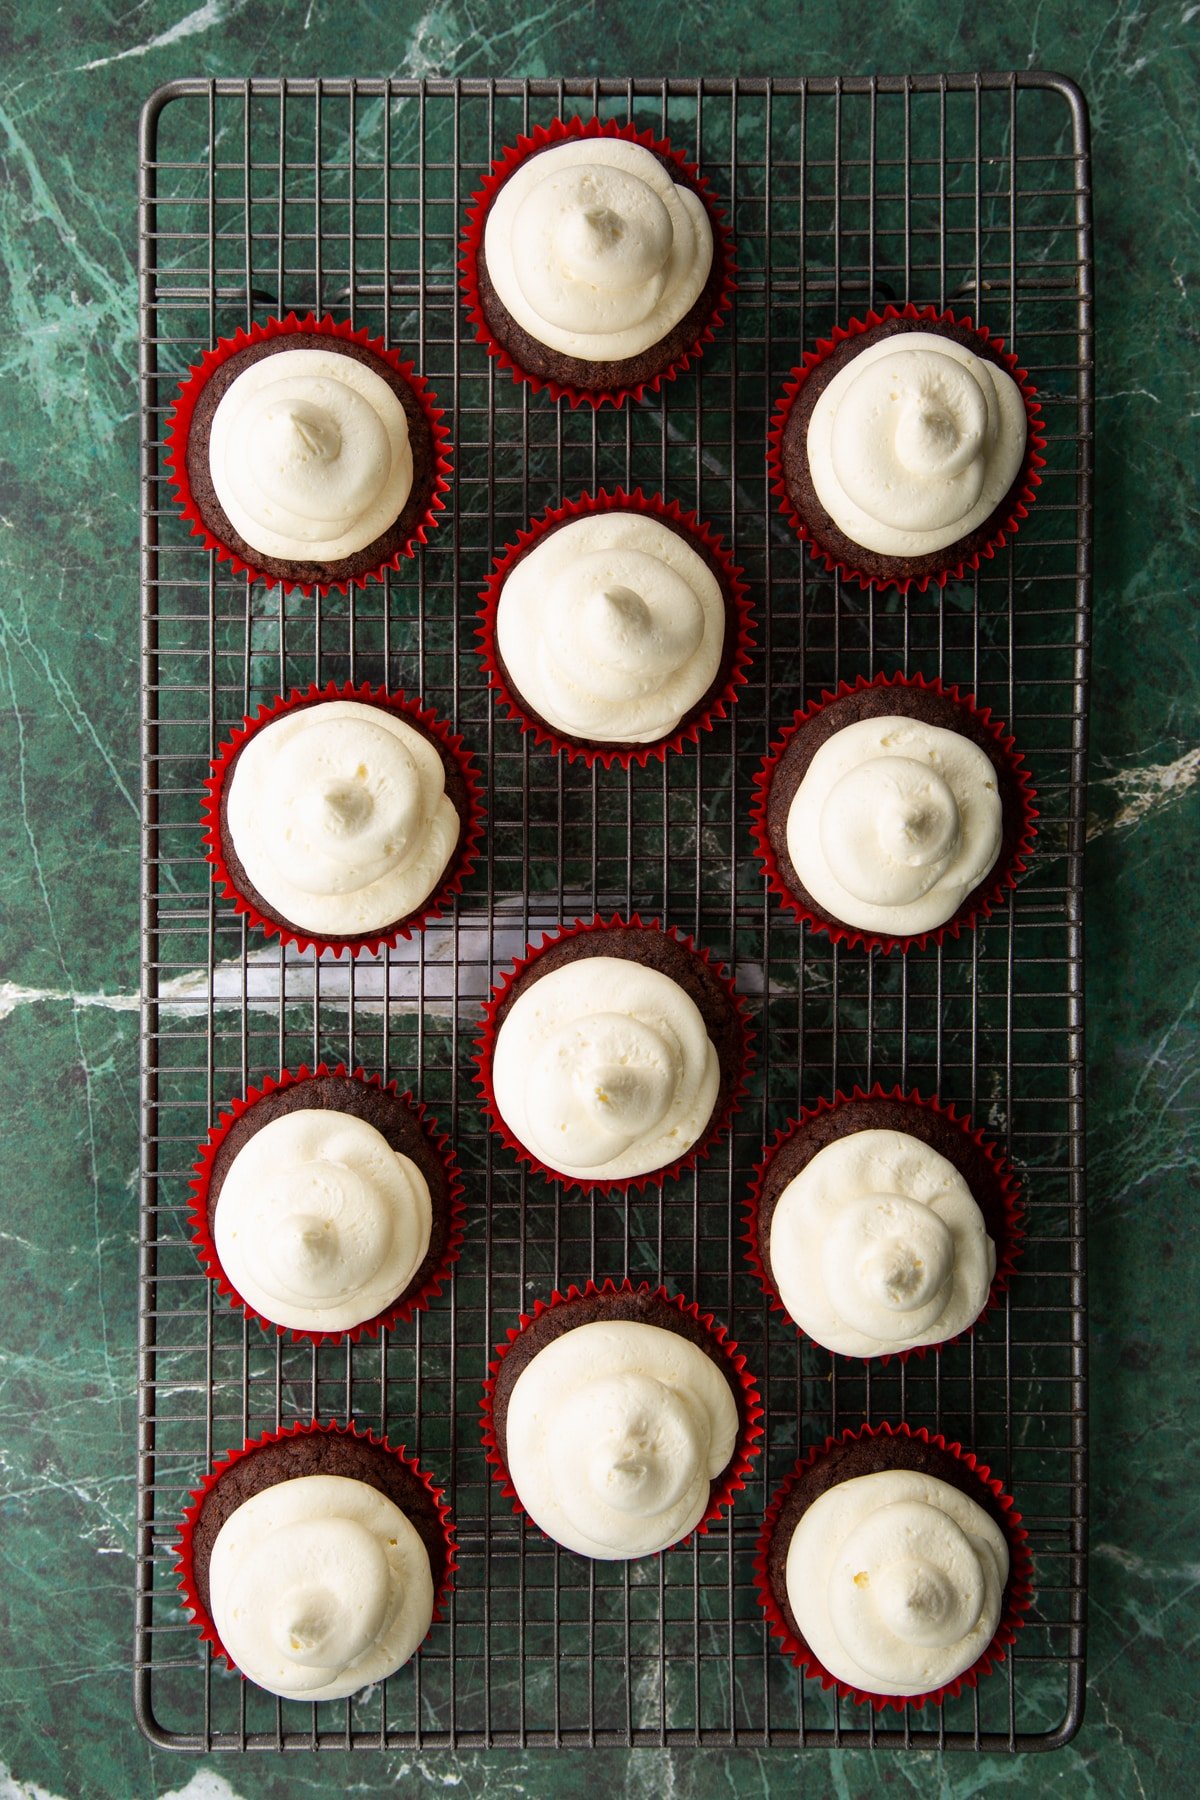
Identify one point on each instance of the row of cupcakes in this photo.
(621, 1422)
(892, 815)
(904, 450)
(327, 1204)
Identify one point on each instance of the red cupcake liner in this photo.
(690, 526)
(199, 1614)
(457, 869)
(1018, 1591)
(400, 1312)
(180, 423)
(484, 1045)
(747, 1448)
(1007, 1188)
(1034, 459)
(1005, 875)
(560, 132)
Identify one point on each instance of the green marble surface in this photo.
(72, 79)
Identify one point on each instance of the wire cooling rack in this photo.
(261, 196)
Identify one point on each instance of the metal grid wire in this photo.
(263, 196)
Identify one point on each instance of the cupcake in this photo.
(892, 1566)
(620, 1420)
(893, 813)
(616, 629)
(594, 261)
(308, 454)
(342, 818)
(315, 1560)
(883, 1223)
(906, 447)
(327, 1204)
(613, 1055)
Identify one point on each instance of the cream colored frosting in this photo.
(604, 1069)
(595, 250)
(877, 1245)
(340, 815)
(896, 1581)
(612, 628)
(915, 442)
(309, 455)
(319, 1586)
(894, 824)
(319, 1223)
(615, 1433)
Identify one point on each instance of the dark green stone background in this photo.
(72, 79)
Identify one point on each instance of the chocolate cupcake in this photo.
(613, 1055)
(594, 262)
(893, 813)
(892, 1566)
(308, 454)
(882, 1223)
(616, 628)
(342, 817)
(327, 1204)
(315, 1560)
(620, 1420)
(906, 447)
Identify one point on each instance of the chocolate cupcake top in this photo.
(615, 1415)
(907, 438)
(340, 816)
(870, 1232)
(328, 1204)
(317, 1558)
(890, 1563)
(615, 1051)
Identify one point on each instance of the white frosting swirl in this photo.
(896, 1581)
(319, 1223)
(319, 1586)
(612, 628)
(340, 815)
(309, 455)
(615, 1433)
(915, 442)
(894, 824)
(604, 1069)
(595, 251)
(877, 1245)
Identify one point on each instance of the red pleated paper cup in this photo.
(990, 1177)
(462, 785)
(840, 555)
(677, 956)
(721, 693)
(431, 1515)
(614, 383)
(895, 1446)
(192, 417)
(422, 1135)
(647, 1305)
(918, 697)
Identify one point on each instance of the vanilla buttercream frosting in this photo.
(896, 1580)
(604, 1069)
(894, 824)
(595, 250)
(877, 1245)
(614, 1435)
(612, 628)
(319, 1223)
(309, 455)
(914, 443)
(319, 1586)
(340, 816)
